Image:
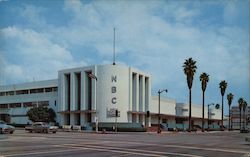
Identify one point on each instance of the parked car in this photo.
(4, 128)
(41, 127)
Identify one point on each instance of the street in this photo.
(219, 144)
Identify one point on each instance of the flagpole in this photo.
(114, 48)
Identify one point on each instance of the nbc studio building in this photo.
(103, 94)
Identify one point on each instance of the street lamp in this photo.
(208, 115)
(159, 94)
(92, 76)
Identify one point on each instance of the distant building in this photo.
(235, 114)
(79, 99)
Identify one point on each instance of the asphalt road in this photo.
(214, 144)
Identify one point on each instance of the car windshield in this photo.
(2, 122)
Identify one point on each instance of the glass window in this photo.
(3, 105)
(48, 89)
(14, 105)
(43, 103)
(2, 93)
(22, 92)
(27, 104)
(10, 93)
(54, 89)
(38, 90)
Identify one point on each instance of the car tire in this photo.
(46, 131)
(54, 132)
(11, 132)
(1, 132)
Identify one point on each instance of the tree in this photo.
(189, 70)
(41, 114)
(204, 78)
(230, 97)
(244, 106)
(223, 86)
(240, 102)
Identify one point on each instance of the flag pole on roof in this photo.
(114, 48)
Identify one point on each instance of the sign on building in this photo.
(111, 112)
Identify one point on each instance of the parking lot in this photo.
(224, 144)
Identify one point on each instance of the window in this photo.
(28, 104)
(10, 93)
(15, 105)
(43, 103)
(22, 92)
(38, 90)
(48, 90)
(2, 93)
(54, 89)
(3, 105)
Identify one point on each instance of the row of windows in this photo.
(25, 104)
(27, 91)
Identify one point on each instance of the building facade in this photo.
(85, 95)
(235, 118)
(16, 100)
(83, 99)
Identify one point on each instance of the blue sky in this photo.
(38, 38)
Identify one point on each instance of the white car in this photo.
(4, 128)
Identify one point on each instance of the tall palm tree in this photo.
(204, 78)
(244, 106)
(240, 102)
(189, 70)
(230, 97)
(223, 86)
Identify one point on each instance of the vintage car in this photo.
(4, 128)
(41, 127)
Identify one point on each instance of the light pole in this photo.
(208, 115)
(159, 108)
(92, 76)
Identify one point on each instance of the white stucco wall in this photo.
(120, 84)
(167, 106)
(182, 109)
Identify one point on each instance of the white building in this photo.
(79, 99)
(17, 99)
(182, 113)
(121, 88)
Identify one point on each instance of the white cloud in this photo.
(39, 57)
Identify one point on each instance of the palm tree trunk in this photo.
(203, 102)
(189, 118)
(229, 119)
(240, 119)
(222, 113)
(244, 119)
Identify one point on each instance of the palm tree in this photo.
(244, 106)
(223, 86)
(230, 97)
(189, 70)
(204, 78)
(240, 102)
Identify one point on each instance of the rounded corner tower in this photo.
(86, 99)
